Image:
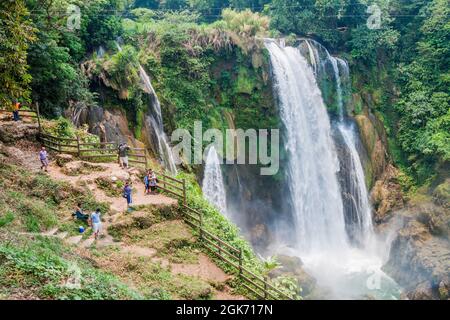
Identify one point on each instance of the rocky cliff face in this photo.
(419, 261)
(419, 258)
(111, 125)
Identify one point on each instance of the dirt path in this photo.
(25, 153)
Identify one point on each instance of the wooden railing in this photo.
(259, 286)
(23, 113)
(99, 151)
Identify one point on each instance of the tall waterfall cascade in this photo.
(153, 120)
(313, 163)
(213, 186)
(323, 234)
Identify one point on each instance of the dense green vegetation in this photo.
(43, 268)
(206, 63)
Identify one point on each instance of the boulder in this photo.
(420, 262)
(441, 194)
(13, 131)
(62, 159)
(436, 218)
(293, 267)
(76, 168)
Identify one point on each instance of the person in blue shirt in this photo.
(96, 223)
(147, 182)
(127, 191)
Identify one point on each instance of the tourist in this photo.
(16, 107)
(147, 182)
(153, 181)
(43, 156)
(79, 215)
(127, 191)
(96, 223)
(123, 155)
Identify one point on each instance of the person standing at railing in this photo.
(43, 156)
(153, 181)
(147, 182)
(123, 155)
(127, 191)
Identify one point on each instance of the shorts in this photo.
(44, 163)
(96, 227)
(124, 160)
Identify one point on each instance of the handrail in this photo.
(221, 249)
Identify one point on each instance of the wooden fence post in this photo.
(240, 261)
(184, 192)
(78, 147)
(38, 116)
(265, 288)
(201, 226)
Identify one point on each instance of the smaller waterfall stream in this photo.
(212, 186)
(358, 210)
(155, 122)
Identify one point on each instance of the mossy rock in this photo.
(62, 159)
(441, 194)
(112, 188)
(192, 288)
(76, 168)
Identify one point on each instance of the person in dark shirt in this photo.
(123, 155)
(79, 215)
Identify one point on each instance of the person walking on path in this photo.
(123, 155)
(127, 191)
(43, 156)
(96, 223)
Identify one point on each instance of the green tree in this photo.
(16, 34)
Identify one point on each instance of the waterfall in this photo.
(323, 234)
(313, 163)
(358, 211)
(156, 123)
(153, 120)
(213, 186)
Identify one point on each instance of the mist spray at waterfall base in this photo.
(343, 270)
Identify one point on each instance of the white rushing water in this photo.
(344, 271)
(362, 227)
(313, 163)
(155, 122)
(213, 186)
